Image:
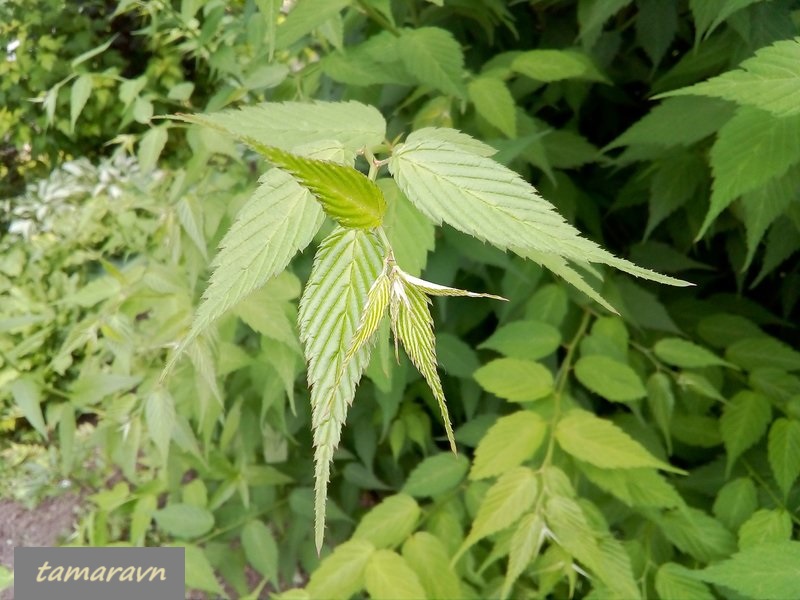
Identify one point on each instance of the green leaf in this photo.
(722, 330)
(429, 559)
(764, 572)
(390, 522)
(694, 532)
(260, 549)
(656, 26)
(346, 195)
(736, 501)
(496, 205)
(687, 355)
(744, 422)
(634, 487)
(710, 14)
(529, 340)
(525, 545)
(456, 357)
(346, 265)
(454, 137)
(435, 58)
(150, 147)
(6, 578)
(27, 397)
(601, 443)
(661, 401)
(79, 94)
(609, 378)
(279, 219)
(304, 18)
(288, 125)
(756, 352)
(494, 103)
(410, 233)
(184, 520)
(752, 148)
(512, 440)
(159, 412)
(676, 582)
(765, 526)
(770, 80)
(504, 503)
(556, 65)
(199, 574)
(515, 379)
(593, 15)
(388, 575)
(436, 474)
(783, 450)
(340, 575)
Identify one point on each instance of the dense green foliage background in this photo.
(654, 453)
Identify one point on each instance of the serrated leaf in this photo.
(763, 572)
(459, 139)
(341, 574)
(765, 526)
(609, 378)
(150, 147)
(495, 205)
(556, 65)
(280, 219)
(79, 94)
(634, 487)
(304, 17)
(27, 396)
(599, 442)
(515, 379)
(184, 520)
(656, 26)
(756, 352)
(525, 546)
(736, 501)
(743, 422)
(346, 265)
(783, 450)
(287, 125)
(709, 14)
(159, 411)
(435, 58)
(686, 354)
(390, 522)
(388, 575)
(410, 233)
(593, 15)
(506, 501)
(769, 80)
(694, 532)
(494, 103)
(676, 582)
(429, 559)
(346, 195)
(436, 474)
(199, 574)
(260, 549)
(530, 340)
(512, 440)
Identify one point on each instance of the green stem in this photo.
(754, 474)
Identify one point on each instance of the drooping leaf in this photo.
(159, 411)
(525, 546)
(736, 501)
(390, 522)
(783, 449)
(599, 442)
(744, 422)
(512, 440)
(341, 574)
(435, 58)
(686, 354)
(764, 572)
(515, 379)
(609, 378)
(494, 102)
(346, 265)
(770, 80)
(694, 532)
(634, 487)
(593, 15)
(79, 94)
(260, 549)
(304, 17)
(410, 233)
(555, 65)
(709, 14)
(656, 26)
(436, 474)
(199, 574)
(27, 397)
(388, 575)
(429, 559)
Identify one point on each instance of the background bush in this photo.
(103, 262)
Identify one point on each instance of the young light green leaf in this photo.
(27, 397)
(528, 339)
(744, 422)
(159, 412)
(762, 572)
(79, 94)
(346, 195)
(459, 139)
(429, 559)
(410, 233)
(783, 450)
(435, 57)
(512, 440)
(555, 65)
(764, 527)
(685, 354)
(280, 219)
(434, 289)
(599, 442)
(436, 474)
(494, 103)
(609, 378)
(346, 265)
(286, 125)
(492, 203)
(150, 147)
(390, 522)
(676, 582)
(525, 546)
(341, 574)
(260, 549)
(515, 379)
(505, 502)
(388, 575)
(769, 80)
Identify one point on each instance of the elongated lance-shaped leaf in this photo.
(413, 326)
(434, 289)
(374, 310)
(280, 219)
(484, 199)
(347, 263)
(346, 195)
